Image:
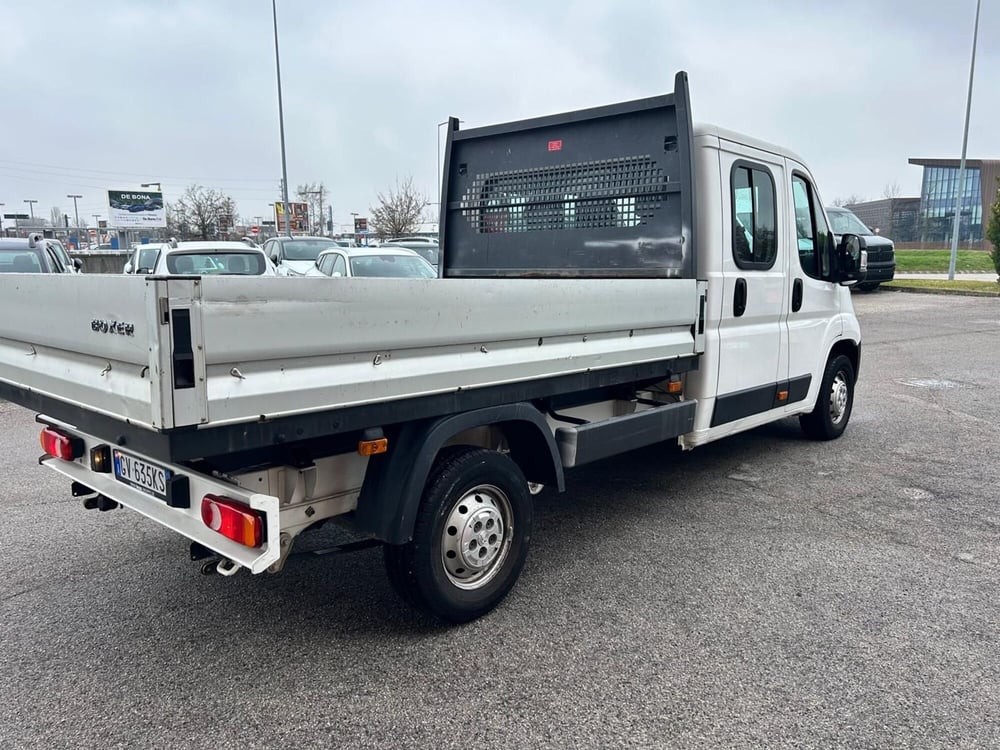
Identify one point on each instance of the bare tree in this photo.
(202, 213)
(850, 200)
(891, 190)
(398, 210)
(317, 196)
(56, 216)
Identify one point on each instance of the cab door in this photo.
(751, 326)
(813, 318)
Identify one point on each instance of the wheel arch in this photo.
(394, 481)
(851, 350)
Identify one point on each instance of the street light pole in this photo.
(150, 184)
(97, 229)
(965, 143)
(281, 122)
(76, 211)
(31, 208)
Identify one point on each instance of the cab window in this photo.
(815, 242)
(754, 218)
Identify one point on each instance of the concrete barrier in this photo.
(103, 262)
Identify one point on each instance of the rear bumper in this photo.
(185, 521)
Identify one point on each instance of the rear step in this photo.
(593, 441)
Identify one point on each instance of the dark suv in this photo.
(881, 251)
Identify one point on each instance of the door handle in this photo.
(797, 295)
(740, 298)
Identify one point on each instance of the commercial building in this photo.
(938, 193)
(895, 218)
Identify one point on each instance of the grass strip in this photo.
(937, 261)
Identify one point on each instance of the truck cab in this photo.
(777, 309)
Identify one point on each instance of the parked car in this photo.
(70, 265)
(207, 258)
(881, 251)
(143, 258)
(414, 239)
(380, 262)
(294, 256)
(34, 254)
(429, 251)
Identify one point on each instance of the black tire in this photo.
(470, 538)
(829, 418)
(870, 286)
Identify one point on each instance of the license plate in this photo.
(142, 475)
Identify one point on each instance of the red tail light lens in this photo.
(233, 520)
(60, 445)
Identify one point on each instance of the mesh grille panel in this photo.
(622, 192)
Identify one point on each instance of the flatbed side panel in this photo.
(81, 339)
(311, 345)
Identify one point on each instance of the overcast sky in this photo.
(106, 95)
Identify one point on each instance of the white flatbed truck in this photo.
(610, 278)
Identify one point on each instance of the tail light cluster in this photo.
(233, 520)
(61, 445)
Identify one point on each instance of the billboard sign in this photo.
(298, 213)
(136, 208)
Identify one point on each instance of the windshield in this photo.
(305, 249)
(147, 258)
(392, 266)
(845, 222)
(216, 262)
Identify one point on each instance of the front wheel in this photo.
(470, 538)
(829, 418)
(869, 286)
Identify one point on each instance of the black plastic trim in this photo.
(394, 481)
(182, 353)
(759, 399)
(260, 442)
(593, 441)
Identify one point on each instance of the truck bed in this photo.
(184, 355)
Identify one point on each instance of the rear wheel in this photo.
(832, 412)
(470, 538)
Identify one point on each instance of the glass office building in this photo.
(939, 193)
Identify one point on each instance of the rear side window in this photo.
(19, 261)
(216, 263)
(755, 217)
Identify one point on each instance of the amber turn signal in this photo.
(371, 447)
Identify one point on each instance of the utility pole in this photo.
(961, 164)
(281, 121)
(31, 208)
(76, 211)
(320, 194)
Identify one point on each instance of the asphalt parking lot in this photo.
(763, 591)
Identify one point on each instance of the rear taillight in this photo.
(61, 445)
(233, 520)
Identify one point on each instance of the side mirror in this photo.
(77, 264)
(852, 259)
